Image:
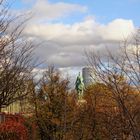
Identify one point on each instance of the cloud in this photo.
(44, 9)
(64, 44)
(86, 32)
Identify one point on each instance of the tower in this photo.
(87, 76)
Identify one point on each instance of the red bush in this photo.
(13, 128)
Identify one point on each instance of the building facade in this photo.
(87, 76)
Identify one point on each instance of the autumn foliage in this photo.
(104, 113)
(13, 128)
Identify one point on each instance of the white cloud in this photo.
(86, 32)
(117, 29)
(44, 9)
(38, 73)
(65, 43)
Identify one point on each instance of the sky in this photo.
(103, 10)
(68, 28)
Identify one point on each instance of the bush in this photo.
(13, 130)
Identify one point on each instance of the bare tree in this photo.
(121, 74)
(15, 57)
